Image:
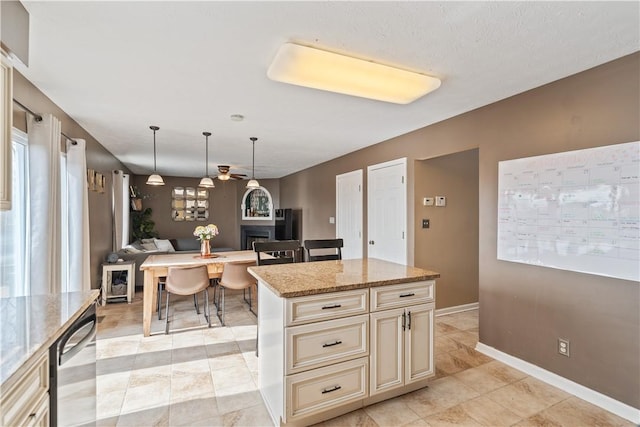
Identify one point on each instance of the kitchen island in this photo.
(334, 336)
(30, 325)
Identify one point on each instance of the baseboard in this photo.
(457, 309)
(605, 402)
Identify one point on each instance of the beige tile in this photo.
(574, 411)
(527, 397)
(150, 417)
(252, 416)
(147, 392)
(441, 394)
(109, 404)
(444, 344)
(185, 386)
(112, 382)
(489, 413)
(357, 418)
(444, 329)
(448, 364)
(394, 412)
(189, 412)
(455, 416)
(470, 339)
(489, 377)
(155, 343)
(470, 356)
(232, 402)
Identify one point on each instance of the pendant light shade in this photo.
(206, 180)
(253, 182)
(154, 178)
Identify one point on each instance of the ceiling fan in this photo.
(225, 175)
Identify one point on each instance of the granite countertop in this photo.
(31, 324)
(310, 278)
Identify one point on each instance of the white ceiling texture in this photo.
(118, 67)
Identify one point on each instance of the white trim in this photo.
(457, 309)
(605, 402)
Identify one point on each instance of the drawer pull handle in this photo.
(327, 307)
(331, 344)
(411, 294)
(329, 390)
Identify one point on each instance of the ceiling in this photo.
(119, 67)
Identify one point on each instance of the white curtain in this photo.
(78, 208)
(44, 209)
(120, 209)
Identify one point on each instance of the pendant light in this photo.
(253, 182)
(206, 180)
(154, 178)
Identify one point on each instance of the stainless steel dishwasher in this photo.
(72, 372)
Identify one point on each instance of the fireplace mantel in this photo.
(251, 233)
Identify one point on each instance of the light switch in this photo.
(332, 220)
(425, 223)
(427, 201)
(441, 201)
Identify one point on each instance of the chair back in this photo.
(321, 244)
(236, 276)
(187, 280)
(283, 252)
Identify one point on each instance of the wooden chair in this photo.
(312, 245)
(234, 276)
(187, 281)
(282, 251)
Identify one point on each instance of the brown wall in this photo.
(98, 158)
(523, 309)
(450, 244)
(224, 211)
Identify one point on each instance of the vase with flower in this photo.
(205, 234)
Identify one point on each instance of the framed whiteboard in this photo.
(577, 210)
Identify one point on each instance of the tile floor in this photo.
(197, 376)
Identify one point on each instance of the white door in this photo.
(349, 213)
(387, 211)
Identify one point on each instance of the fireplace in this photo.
(255, 233)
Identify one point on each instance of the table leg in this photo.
(148, 305)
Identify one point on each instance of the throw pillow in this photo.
(164, 245)
(131, 250)
(150, 246)
(148, 240)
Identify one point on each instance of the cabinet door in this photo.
(387, 348)
(418, 357)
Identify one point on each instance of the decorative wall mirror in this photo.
(189, 204)
(257, 204)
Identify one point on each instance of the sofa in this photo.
(138, 251)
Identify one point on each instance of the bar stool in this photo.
(312, 245)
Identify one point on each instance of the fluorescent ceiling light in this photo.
(319, 69)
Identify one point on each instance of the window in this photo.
(14, 232)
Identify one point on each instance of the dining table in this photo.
(157, 266)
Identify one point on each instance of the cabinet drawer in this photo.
(395, 296)
(320, 344)
(25, 397)
(324, 388)
(333, 305)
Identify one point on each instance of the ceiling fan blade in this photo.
(238, 176)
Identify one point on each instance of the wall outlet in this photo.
(441, 201)
(563, 347)
(427, 201)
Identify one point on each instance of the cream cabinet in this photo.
(26, 402)
(328, 354)
(401, 347)
(6, 120)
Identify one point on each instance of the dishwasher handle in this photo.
(64, 356)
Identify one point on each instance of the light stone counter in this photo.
(310, 278)
(31, 324)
